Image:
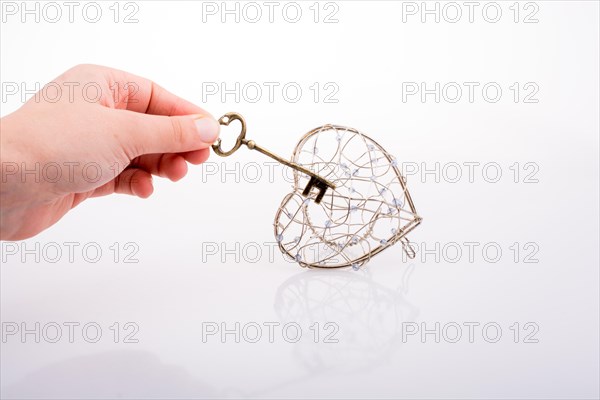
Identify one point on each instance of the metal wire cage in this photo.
(369, 210)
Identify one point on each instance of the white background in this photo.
(369, 53)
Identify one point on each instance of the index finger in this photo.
(142, 95)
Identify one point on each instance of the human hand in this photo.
(56, 154)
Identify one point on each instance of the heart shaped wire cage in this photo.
(369, 210)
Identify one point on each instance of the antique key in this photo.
(315, 180)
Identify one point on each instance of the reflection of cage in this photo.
(369, 210)
(369, 317)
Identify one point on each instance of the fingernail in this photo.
(208, 129)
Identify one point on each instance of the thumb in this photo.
(150, 134)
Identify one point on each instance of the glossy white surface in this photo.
(177, 289)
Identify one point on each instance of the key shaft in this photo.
(315, 180)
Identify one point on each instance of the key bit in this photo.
(319, 184)
(315, 181)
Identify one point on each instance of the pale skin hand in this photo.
(131, 132)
